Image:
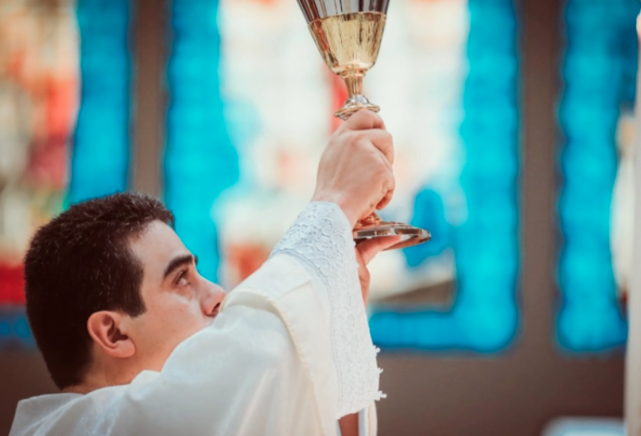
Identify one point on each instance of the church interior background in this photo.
(513, 127)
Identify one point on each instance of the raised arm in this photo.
(354, 178)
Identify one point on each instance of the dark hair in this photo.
(81, 263)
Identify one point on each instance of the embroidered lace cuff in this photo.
(321, 238)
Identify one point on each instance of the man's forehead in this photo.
(157, 243)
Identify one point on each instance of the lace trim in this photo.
(321, 238)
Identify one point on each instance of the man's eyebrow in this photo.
(177, 262)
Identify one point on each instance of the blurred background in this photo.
(513, 125)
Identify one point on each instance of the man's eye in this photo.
(182, 279)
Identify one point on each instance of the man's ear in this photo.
(106, 329)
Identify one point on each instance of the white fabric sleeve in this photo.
(321, 239)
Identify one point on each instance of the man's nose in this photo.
(211, 298)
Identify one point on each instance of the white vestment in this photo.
(289, 354)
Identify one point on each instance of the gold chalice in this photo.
(348, 35)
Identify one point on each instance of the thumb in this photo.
(369, 248)
(364, 119)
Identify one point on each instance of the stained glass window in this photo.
(595, 201)
(199, 160)
(100, 155)
(479, 218)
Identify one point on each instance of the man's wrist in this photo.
(344, 205)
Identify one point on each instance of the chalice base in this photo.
(374, 227)
(353, 104)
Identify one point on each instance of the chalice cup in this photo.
(348, 35)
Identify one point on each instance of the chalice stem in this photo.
(355, 98)
(354, 82)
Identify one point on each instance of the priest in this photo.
(140, 344)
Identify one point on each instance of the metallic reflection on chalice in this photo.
(348, 35)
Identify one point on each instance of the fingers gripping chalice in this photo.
(348, 35)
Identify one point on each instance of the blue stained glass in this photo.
(200, 161)
(15, 333)
(484, 317)
(429, 212)
(599, 71)
(100, 153)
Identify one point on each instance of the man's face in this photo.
(179, 302)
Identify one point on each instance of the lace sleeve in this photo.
(321, 238)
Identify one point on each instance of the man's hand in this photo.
(355, 170)
(366, 251)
